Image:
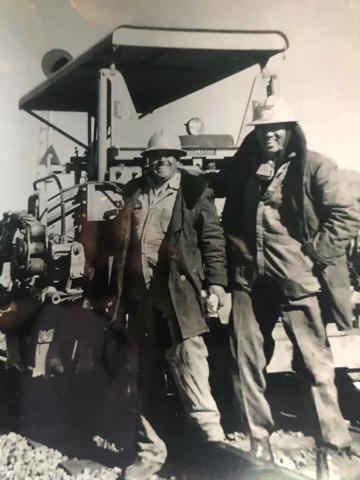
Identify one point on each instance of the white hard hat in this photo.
(273, 110)
(164, 140)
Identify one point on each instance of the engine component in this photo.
(29, 252)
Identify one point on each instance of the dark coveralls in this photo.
(283, 238)
(170, 242)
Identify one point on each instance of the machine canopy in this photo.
(159, 65)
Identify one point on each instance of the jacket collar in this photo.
(192, 188)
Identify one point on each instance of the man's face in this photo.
(163, 164)
(272, 137)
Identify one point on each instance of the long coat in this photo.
(195, 250)
(322, 212)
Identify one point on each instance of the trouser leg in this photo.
(247, 349)
(151, 403)
(151, 387)
(188, 363)
(266, 304)
(13, 351)
(304, 326)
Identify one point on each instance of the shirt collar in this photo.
(173, 182)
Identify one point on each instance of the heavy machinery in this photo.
(48, 253)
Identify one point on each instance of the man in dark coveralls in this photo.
(287, 222)
(171, 245)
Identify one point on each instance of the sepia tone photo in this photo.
(179, 240)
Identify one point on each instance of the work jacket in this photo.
(321, 210)
(195, 251)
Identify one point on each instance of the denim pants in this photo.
(253, 318)
(187, 362)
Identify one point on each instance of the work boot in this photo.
(54, 366)
(330, 462)
(142, 469)
(213, 433)
(18, 365)
(260, 449)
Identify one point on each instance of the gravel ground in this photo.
(22, 459)
(19, 460)
(296, 452)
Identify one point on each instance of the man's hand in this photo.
(219, 291)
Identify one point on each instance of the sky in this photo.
(319, 76)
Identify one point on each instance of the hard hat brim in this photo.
(270, 122)
(177, 151)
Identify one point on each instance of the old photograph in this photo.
(179, 240)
